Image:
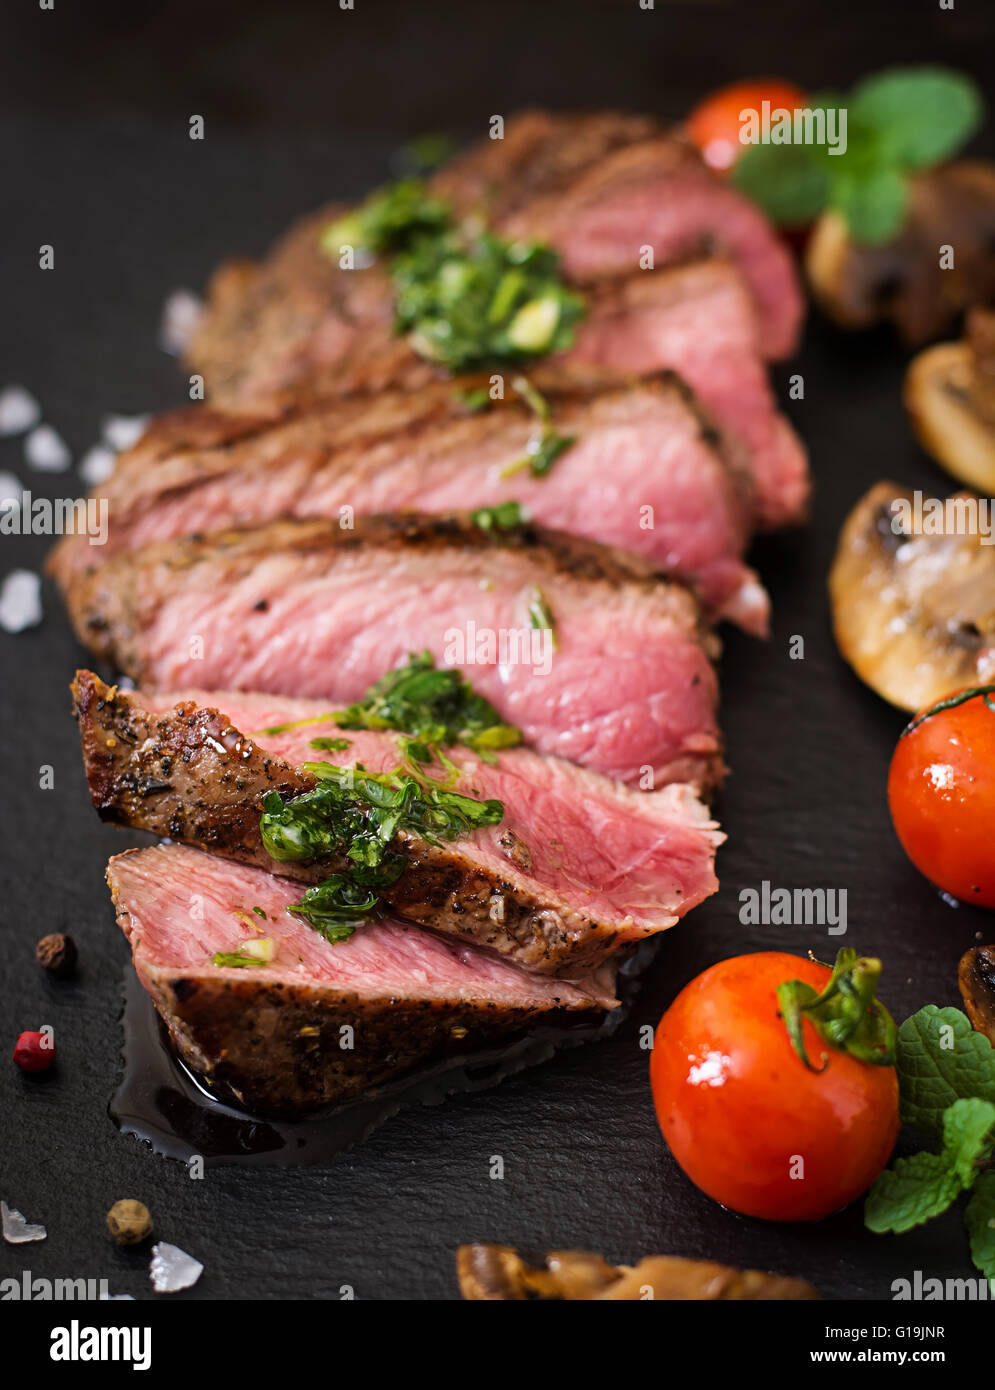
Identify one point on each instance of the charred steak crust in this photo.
(189, 775)
(275, 1046)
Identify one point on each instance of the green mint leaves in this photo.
(946, 1075)
(940, 1060)
(899, 121)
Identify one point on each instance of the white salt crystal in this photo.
(173, 1269)
(121, 431)
(46, 450)
(180, 316)
(19, 410)
(20, 601)
(10, 491)
(97, 464)
(16, 1231)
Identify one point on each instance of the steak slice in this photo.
(597, 188)
(696, 320)
(645, 475)
(578, 867)
(273, 1037)
(304, 608)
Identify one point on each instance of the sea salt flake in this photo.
(10, 491)
(180, 316)
(121, 431)
(19, 410)
(17, 1231)
(20, 601)
(97, 464)
(173, 1269)
(46, 450)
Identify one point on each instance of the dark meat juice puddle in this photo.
(161, 1102)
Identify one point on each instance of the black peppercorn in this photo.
(57, 954)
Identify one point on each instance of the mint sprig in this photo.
(899, 122)
(946, 1074)
(941, 1059)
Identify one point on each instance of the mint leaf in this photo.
(912, 1191)
(979, 1218)
(922, 114)
(873, 203)
(941, 1059)
(788, 181)
(967, 1127)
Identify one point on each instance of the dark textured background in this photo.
(301, 103)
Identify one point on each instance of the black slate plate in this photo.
(302, 103)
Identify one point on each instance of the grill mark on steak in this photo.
(188, 773)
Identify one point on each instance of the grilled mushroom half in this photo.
(950, 397)
(914, 606)
(976, 977)
(495, 1273)
(902, 281)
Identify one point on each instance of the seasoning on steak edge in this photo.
(606, 866)
(645, 475)
(597, 188)
(270, 1036)
(307, 609)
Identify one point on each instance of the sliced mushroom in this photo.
(976, 977)
(950, 397)
(903, 281)
(497, 1272)
(913, 612)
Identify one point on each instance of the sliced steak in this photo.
(578, 867)
(304, 608)
(318, 1023)
(644, 474)
(597, 188)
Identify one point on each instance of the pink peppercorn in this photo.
(34, 1052)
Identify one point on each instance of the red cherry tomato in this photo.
(748, 1122)
(715, 125)
(941, 792)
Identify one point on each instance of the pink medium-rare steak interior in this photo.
(644, 475)
(183, 906)
(699, 321)
(618, 856)
(293, 610)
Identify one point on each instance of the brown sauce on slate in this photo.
(161, 1102)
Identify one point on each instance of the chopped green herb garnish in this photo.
(389, 220)
(235, 958)
(330, 745)
(431, 706)
(540, 615)
(259, 912)
(356, 814)
(473, 401)
(503, 517)
(470, 300)
(545, 446)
